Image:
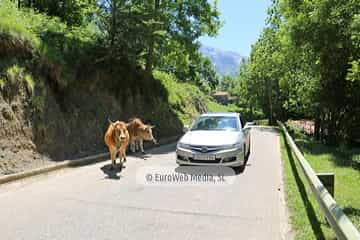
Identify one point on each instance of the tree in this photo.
(306, 64)
(149, 29)
(72, 12)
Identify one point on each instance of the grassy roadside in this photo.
(305, 214)
(187, 100)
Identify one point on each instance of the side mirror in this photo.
(249, 124)
(186, 128)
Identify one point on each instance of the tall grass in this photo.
(306, 215)
(187, 100)
(16, 23)
(16, 76)
(50, 36)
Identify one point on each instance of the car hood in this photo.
(211, 138)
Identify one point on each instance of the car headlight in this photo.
(183, 145)
(231, 146)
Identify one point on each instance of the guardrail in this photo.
(339, 222)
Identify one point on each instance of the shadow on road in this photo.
(268, 129)
(159, 150)
(112, 172)
(165, 149)
(207, 170)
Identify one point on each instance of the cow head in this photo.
(120, 131)
(147, 133)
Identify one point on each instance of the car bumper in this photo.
(229, 158)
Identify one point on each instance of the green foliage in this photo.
(305, 215)
(47, 34)
(2, 84)
(58, 47)
(14, 74)
(149, 33)
(354, 72)
(187, 100)
(30, 84)
(71, 12)
(123, 40)
(306, 64)
(15, 77)
(309, 222)
(189, 67)
(15, 22)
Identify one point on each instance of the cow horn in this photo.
(111, 122)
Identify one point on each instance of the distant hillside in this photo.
(226, 62)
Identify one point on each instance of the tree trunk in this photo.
(112, 32)
(317, 129)
(150, 56)
(271, 118)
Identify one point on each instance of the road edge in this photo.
(73, 163)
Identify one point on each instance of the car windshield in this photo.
(216, 123)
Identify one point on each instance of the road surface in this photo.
(85, 203)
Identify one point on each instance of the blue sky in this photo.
(244, 20)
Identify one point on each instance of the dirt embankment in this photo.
(70, 127)
(51, 123)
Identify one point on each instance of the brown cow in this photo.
(117, 138)
(138, 133)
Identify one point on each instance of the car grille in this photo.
(204, 161)
(204, 149)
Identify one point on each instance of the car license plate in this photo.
(204, 157)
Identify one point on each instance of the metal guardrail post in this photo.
(339, 222)
(328, 180)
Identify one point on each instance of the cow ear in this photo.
(151, 126)
(144, 127)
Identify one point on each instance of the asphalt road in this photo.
(87, 203)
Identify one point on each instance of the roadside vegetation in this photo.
(306, 216)
(305, 65)
(187, 100)
(66, 66)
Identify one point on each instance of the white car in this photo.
(215, 139)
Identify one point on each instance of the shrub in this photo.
(15, 76)
(30, 84)
(2, 84)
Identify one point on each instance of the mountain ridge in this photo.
(225, 62)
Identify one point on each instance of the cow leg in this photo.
(120, 156)
(136, 146)
(133, 146)
(141, 146)
(124, 154)
(113, 156)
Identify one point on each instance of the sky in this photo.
(244, 20)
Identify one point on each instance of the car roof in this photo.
(220, 114)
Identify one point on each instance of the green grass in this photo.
(187, 100)
(14, 76)
(306, 216)
(46, 35)
(262, 122)
(14, 22)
